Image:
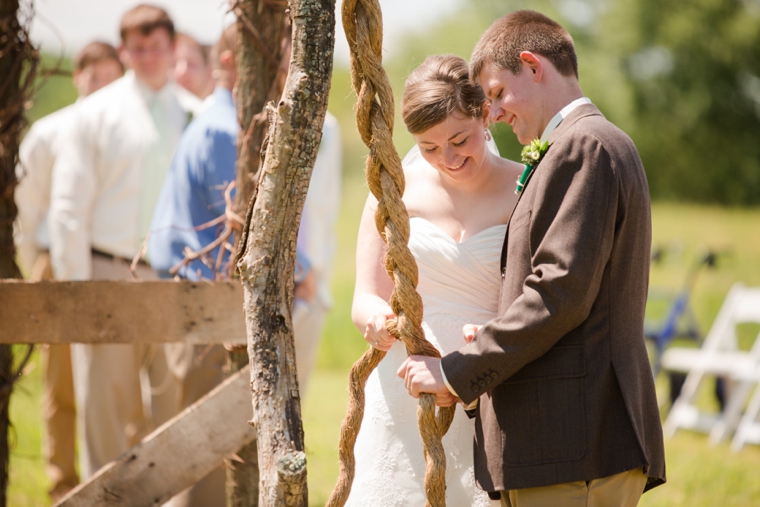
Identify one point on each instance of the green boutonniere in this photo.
(531, 156)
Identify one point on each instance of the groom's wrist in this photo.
(452, 391)
(446, 382)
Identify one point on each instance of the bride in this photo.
(459, 195)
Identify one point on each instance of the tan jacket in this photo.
(566, 390)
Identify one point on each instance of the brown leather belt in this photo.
(116, 257)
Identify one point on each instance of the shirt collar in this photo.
(147, 93)
(557, 119)
(222, 93)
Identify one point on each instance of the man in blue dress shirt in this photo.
(193, 195)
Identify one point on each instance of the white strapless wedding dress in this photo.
(459, 284)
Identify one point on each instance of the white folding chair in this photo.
(748, 430)
(718, 356)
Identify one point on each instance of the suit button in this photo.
(494, 376)
(474, 389)
(481, 384)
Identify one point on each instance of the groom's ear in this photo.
(533, 64)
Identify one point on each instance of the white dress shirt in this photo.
(37, 155)
(316, 236)
(110, 160)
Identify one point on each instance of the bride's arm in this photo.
(373, 285)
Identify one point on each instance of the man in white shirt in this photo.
(106, 183)
(316, 238)
(95, 66)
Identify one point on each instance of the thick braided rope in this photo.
(362, 22)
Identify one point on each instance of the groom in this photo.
(567, 413)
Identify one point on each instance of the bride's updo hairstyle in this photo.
(437, 88)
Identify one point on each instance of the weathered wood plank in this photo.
(121, 312)
(177, 454)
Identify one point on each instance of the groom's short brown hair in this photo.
(520, 31)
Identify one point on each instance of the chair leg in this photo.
(732, 412)
(682, 405)
(747, 422)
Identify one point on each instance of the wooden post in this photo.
(262, 27)
(18, 60)
(267, 262)
(242, 488)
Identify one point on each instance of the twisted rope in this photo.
(362, 22)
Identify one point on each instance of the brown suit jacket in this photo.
(566, 390)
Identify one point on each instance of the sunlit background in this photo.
(681, 77)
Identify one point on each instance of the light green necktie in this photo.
(155, 165)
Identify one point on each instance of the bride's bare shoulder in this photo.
(420, 180)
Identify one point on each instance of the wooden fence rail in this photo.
(121, 312)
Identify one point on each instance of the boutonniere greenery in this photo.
(531, 156)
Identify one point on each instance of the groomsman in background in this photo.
(193, 196)
(95, 66)
(106, 182)
(192, 66)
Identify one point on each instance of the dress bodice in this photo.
(459, 283)
(458, 280)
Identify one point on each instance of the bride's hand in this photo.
(469, 331)
(376, 333)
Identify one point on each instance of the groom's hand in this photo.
(422, 374)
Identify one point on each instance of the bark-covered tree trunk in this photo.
(17, 63)
(262, 28)
(267, 263)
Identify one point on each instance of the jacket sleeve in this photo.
(570, 233)
(74, 187)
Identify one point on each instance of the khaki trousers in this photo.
(199, 368)
(621, 490)
(123, 391)
(58, 406)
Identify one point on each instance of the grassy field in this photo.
(699, 474)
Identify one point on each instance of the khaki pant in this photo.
(58, 406)
(199, 368)
(123, 391)
(621, 490)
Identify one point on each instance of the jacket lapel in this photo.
(575, 115)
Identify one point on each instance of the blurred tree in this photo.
(692, 69)
(681, 77)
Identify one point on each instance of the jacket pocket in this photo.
(542, 410)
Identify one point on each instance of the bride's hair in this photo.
(437, 88)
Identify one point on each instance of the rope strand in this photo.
(362, 22)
